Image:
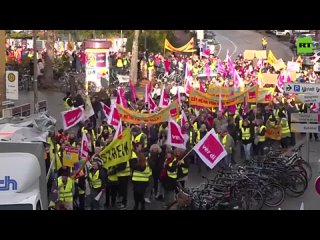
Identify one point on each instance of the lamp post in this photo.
(2, 69)
(35, 73)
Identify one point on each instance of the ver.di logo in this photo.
(304, 45)
(11, 77)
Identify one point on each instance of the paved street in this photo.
(236, 41)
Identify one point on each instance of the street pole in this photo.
(308, 139)
(121, 41)
(2, 69)
(35, 73)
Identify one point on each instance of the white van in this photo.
(19, 182)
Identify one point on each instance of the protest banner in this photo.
(134, 117)
(175, 138)
(118, 151)
(261, 54)
(273, 133)
(249, 54)
(70, 118)
(70, 156)
(269, 78)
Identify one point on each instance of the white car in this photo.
(316, 66)
(311, 59)
(288, 33)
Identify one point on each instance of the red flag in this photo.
(175, 137)
(152, 105)
(164, 98)
(119, 99)
(280, 82)
(114, 117)
(210, 150)
(106, 110)
(84, 152)
(133, 92)
(118, 133)
(71, 117)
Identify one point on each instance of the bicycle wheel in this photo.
(296, 185)
(306, 166)
(254, 199)
(274, 194)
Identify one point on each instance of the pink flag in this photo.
(71, 117)
(164, 98)
(114, 117)
(84, 152)
(280, 82)
(152, 105)
(178, 95)
(146, 95)
(184, 118)
(118, 132)
(123, 97)
(175, 137)
(133, 92)
(173, 113)
(230, 65)
(119, 99)
(106, 110)
(221, 68)
(188, 86)
(210, 150)
(201, 87)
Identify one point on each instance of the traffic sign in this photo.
(308, 98)
(305, 88)
(305, 128)
(305, 117)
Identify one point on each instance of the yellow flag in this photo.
(118, 151)
(271, 58)
(299, 60)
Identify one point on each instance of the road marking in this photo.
(219, 49)
(234, 45)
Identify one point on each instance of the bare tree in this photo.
(49, 57)
(134, 59)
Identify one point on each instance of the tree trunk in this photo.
(134, 59)
(49, 57)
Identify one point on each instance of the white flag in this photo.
(88, 112)
(175, 137)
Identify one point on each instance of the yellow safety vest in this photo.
(225, 141)
(138, 139)
(65, 193)
(119, 63)
(86, 131)
(190, 137)
(66, 105)
(125, 62)
(94, 180)
(126, 172)
(285, 129)
(262, 138)
(264, 41)
(151, 65)
(195, 126)
(245, 133)
(138, 176)
(185, 171)
(113, 177)
(240, 123)
(198, 136)
(174, 174)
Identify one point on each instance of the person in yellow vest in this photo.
(170, 181)
(67, 101)
(191, 141)
(123, 173)
(246, 137)
(140, 137)
(285, 131)
(111, 187)
(264, 43)
(65, 191)
(261, 131)
(183, 166)
(150, 68)
(119, 63)
(140, 177)
(229, 145)
(97, 183)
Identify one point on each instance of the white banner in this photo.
(305, 128)
(12, 85)
(293, 66)
(305, 117)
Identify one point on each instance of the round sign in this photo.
(317, 185)
(11, 77)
